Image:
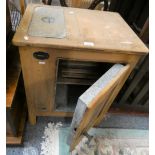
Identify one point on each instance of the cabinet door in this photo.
(94, 102)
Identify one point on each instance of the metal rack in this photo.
(15, 15)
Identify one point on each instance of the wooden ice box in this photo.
(63, 51)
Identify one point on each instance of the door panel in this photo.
(94, 101)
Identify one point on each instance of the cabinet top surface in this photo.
(69, 28)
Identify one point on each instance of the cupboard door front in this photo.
(94, 101)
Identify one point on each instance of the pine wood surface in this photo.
(105, 30)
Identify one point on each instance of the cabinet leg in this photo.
(32, 118)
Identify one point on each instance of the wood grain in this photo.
(17, 140)
(79, 3)
(40, 79)
(101, 30)
(22, 6)
(99, 102)
(92, 36)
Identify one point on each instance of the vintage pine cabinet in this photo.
(60, 49)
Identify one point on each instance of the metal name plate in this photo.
(47, 22)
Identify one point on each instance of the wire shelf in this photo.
(15, 15)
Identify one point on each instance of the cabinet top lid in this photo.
(47, 22)
(62, 27)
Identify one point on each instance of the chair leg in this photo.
(96, 2)
(92, 5)
(63, 3)
(47, 2)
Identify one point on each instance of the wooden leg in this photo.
(32, 117)
(29, 86)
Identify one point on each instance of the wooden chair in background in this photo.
(87, 4)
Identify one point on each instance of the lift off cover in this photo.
(47, 22)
